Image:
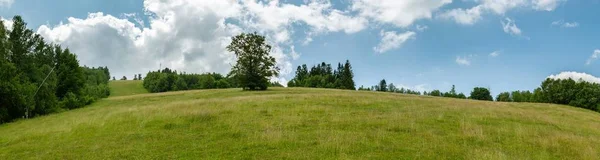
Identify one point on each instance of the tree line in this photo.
(384, 87)
(323, 76)
(571, 92)
(169, 80)
(38, 78)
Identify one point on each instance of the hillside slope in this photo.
(125, 88)
(304, 123)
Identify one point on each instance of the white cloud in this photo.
(546, 5)
(494, 54)
(191, 35)
(593, 58)
(401, 13)
(499, 7)
(462, 16)
(464, 61)
(392, 40)
(6, 3)
(419, 87)
(7, 23)
(277, 18)
(509, 26)
(576, 76)
(564, 24)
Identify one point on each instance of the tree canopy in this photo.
(254, 65)
(38, 78)
(323, 76)
(480, 93)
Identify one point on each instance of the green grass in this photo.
(124, 88)
(304, 123)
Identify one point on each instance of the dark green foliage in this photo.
(570, 92)
(70, 75)
(37, 78)
(521, 96)
(382, 87)
(461, 96)
(480, 93)
(450, 94)
(254, 65)
(361, 88)
(324, 76)
(222, 83)
(392, 88)
(537, 96)
(123, 78)
(206, 82)
(561, 91)
(435, 93)
(504, 97)
(168, 80)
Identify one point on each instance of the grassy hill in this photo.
(302, 123)
(125, 88)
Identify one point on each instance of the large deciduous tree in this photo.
(254, 65)
(480, 93)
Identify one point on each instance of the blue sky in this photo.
(432, 44)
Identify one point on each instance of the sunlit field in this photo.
(301, 123)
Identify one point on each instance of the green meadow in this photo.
(302, 123)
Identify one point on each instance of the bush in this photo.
(480, 93)
(504, 97)
(222, 83)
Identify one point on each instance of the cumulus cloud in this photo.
(463, 61)
(564, 24)
(463, 16)
(593, 58)
(498, 7)
(509, 26)
(576, 76)
(6, 3)
(391, 40)
(546, 5)
(191, 36)
(401, 13)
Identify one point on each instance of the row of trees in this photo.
(517, 96)
(37, 78)
(450, 94)
(323, 76)
(169, 80)
(478, 93)
(559, 91)
(384, 87)
(135, 77)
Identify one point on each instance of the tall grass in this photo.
(303, 123)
